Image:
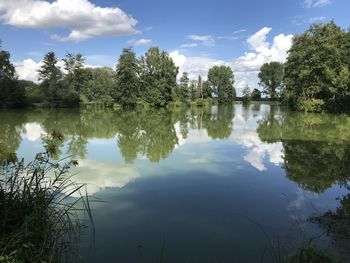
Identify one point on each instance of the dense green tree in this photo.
(193, 90)
(183, 89)
(317, 71)
(99, 85)
(221, 80)
(74, 65)
(34, 93)
(271, 79)
(51, 76)
(200, 87)
(207, 90)
(128, 83)
(246, 94)
(11, 93)
(256, 94)
(158, 77)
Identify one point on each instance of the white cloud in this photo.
(244, 133)
(246, 67)
(28, 69)
(33, 131)
(84, 19)
(316, 19)
(229, 37)
(239, 31)
(190, 45)
(194, 66)
(235, 36)
(140, 42)
(205, 40)
(262, 51)
(303, 20)
(258, 40)
(316, 3)
(101, 175)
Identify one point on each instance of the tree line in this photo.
(315, 77)
(150, 79)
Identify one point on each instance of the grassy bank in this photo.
(41, 208)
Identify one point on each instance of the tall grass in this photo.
(40, 220)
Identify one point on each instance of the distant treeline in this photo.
(315, 77)
(150, 79)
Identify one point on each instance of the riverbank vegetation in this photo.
(41, 208)
(315, 77)
(148, 80)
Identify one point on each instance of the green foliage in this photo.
(34, 93)
(200, 102)
(74, 65)
(316, 147)
(207, 90)
(127, 80)
(99, 85)
(158, 77)
(37, 222)
(256, 94)
(11, 93)
(318, 67)
(200, 87)
(221, 81)
(51, 77)
(311, 105)
(183, 88)
(150, 133)
(219, 124)
(193, 90)
(246, 94)
(271, 79)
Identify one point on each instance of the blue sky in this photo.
(197, 34)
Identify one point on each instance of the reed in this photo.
(42, 210)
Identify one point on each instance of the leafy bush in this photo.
(311, 105)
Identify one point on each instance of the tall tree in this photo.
(51, 75)
(200, 86)
(11, 93)
(207, 90)
(127, 79)
(318, 69)
(271, 79)
(183, 92)
(193, 89)
(246, 94)
(74, 64)
(158, 77)
(221, 80)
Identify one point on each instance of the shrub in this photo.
(311, 105)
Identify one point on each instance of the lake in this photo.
(219, 184)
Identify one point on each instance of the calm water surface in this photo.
(196, 185)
